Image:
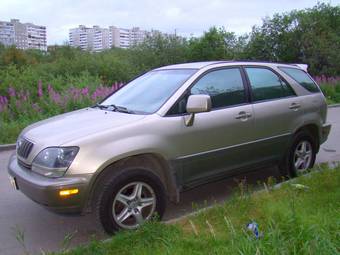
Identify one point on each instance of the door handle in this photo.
(243, 115)
(294, 106)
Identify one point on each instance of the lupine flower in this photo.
(49, 88)
(11, 92)
(40, 90)
(54, 96)
(85, 91)
(3, 100)
(23, 95)
(324, 79)
(3, 103)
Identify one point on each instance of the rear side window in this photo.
(225, 87)
(266, 85)
(302, 78)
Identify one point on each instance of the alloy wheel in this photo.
(303, 155)
(133, 204)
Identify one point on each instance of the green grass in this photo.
(331, 92)
(292, 220)
(10, 130)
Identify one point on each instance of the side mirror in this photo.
(197, 104)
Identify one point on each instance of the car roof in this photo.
(199, 65)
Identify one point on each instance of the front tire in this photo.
(300, 156)
(130, 198)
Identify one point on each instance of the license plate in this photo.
(13, 182)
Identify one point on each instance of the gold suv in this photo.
(170, 129)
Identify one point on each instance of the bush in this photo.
(19, 108)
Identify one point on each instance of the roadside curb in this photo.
(7, 147)
(333, 105)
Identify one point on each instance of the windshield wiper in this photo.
(116, 108)
(100, 106)
(123, 109)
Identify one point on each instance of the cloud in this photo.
(186, 16)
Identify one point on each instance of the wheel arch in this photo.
(153, 162)
(314, 130)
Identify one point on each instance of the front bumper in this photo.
(326, 129)
(45, 191)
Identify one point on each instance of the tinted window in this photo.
(302, 78)
(225, 87)
(149, 92)
(267, 85)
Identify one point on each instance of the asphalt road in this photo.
(46, 231)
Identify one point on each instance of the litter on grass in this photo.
(254, 228)
(300, 186)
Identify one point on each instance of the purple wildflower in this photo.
(3, 103)
(11, 92)
(40, 90)
(85, 91)
(49, 88)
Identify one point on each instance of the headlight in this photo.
(54, 161)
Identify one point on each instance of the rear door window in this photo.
(302, 78)
(267, 85)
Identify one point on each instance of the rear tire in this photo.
(300, 155)
(129, 198)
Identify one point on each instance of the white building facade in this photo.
(7, 35)
(23, 35)
(98, 39)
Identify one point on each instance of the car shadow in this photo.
(218, 192)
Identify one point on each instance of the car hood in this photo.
(70, 126)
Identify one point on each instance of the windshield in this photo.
(149, 92)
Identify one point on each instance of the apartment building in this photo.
(23, 35)
(98, 39)
(81, 37)
(7, 36)
(36, 37)
(101, 38)
(130, 37)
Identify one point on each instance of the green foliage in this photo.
(292, 220)
(159, 50)
(310, 36)
(216, 44)
(331, 92)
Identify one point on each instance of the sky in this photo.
(187, 17)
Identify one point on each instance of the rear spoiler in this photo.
(302, 66)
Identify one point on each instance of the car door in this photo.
(215, 143)
(277, 112)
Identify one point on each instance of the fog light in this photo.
(68, 192)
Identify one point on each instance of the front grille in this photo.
(24, 147)
(24, 165)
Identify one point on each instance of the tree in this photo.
(310, 36)
(215, 44)
(14, 56)
(159, 50)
